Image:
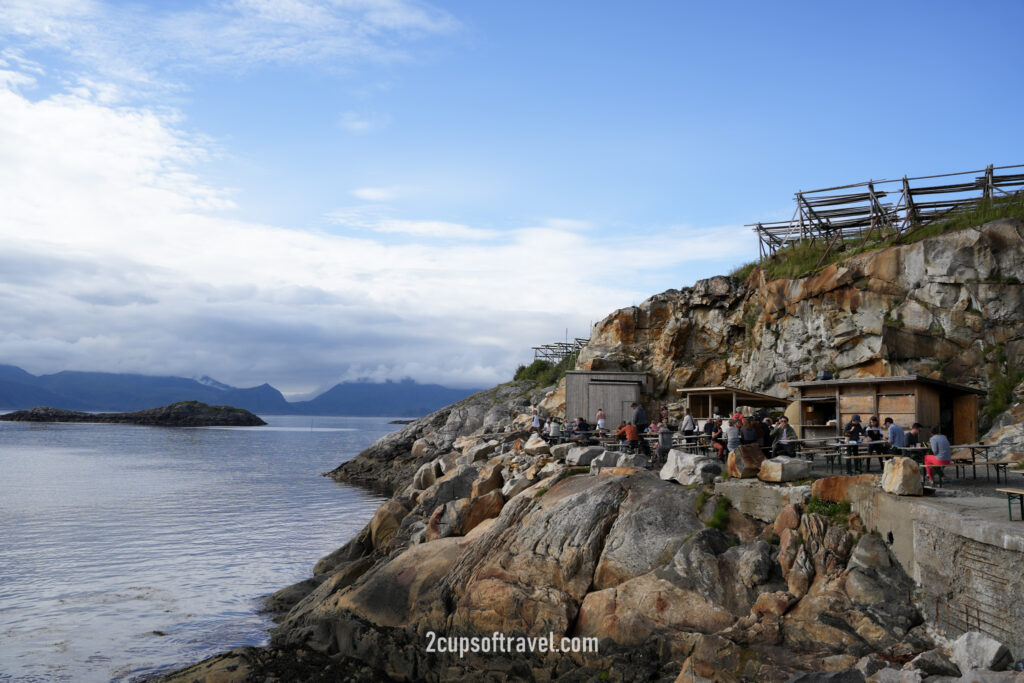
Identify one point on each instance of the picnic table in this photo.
(976, 449)
(851, 450)
(1013, 495)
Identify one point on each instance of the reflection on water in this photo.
(126, 550)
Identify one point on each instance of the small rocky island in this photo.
(180, 414)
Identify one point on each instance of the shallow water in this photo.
(126, 550)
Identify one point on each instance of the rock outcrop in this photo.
(180, 414)
(946, 307)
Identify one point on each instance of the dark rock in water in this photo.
(180, 414)
(401, 422)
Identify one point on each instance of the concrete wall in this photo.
(761, 500)
(964, 555)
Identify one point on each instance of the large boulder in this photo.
(535, 445)
(784, 468)
(488, 480)
(581, 456)
(837, 489)
(484, 507)
(427, 474)
(632, 460)
(975, 650)
(745, 461)
(480, 451)
(606, 459)
(690, 468)
(385, 523)
(902, 476)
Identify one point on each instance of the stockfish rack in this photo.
(884, 208)
(556, 352)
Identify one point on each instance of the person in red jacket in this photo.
(627, 431)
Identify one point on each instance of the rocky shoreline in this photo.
(489, 530)
(180, 414)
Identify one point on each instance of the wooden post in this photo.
(987, 191)
(908, 196)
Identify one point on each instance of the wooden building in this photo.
(708, 402)
(825, 406)
(585, 392)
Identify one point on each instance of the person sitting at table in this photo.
(709, 427)
(579, 428)
(627, 432)
(750, 431)
(717, 437)
(732, 436)
(781, 437)
(942, 452)
(894, 435)
(653, 428)
(913, 437)
(554, 429)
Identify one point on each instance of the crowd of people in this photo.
(727, 434)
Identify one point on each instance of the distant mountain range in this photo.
(105, 391)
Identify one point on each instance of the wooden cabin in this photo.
(707, 402)
(585, 392)
(825, 406)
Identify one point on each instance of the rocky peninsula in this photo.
(180, 414)
(491, 530)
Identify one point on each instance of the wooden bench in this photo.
(1012, 495)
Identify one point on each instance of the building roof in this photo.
(743, 397)
(959, 388)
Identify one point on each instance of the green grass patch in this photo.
(545, 373)
(744, 271)
(541, 492)
(803, 258)
(836, 512)
(702, 499)
(721, 515)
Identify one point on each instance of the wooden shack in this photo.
(585, 392)
(707, 402)
(825, 406)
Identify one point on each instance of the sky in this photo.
(303, 192)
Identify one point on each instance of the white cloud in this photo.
(358, 123)
(129, 43)
(377, 194)
(117, 256)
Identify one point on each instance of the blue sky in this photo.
(305, 191)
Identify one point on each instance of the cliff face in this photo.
(949, 307)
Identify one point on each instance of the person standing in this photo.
(641, 423)
(689, 426)
(601, 417)
(535, 426)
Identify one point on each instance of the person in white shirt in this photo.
(689, 426)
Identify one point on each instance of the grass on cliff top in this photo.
(545, 373)
(805, 257)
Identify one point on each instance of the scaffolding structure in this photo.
(884, 208)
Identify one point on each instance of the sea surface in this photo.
(128, 550)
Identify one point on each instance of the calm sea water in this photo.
(126, 550)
